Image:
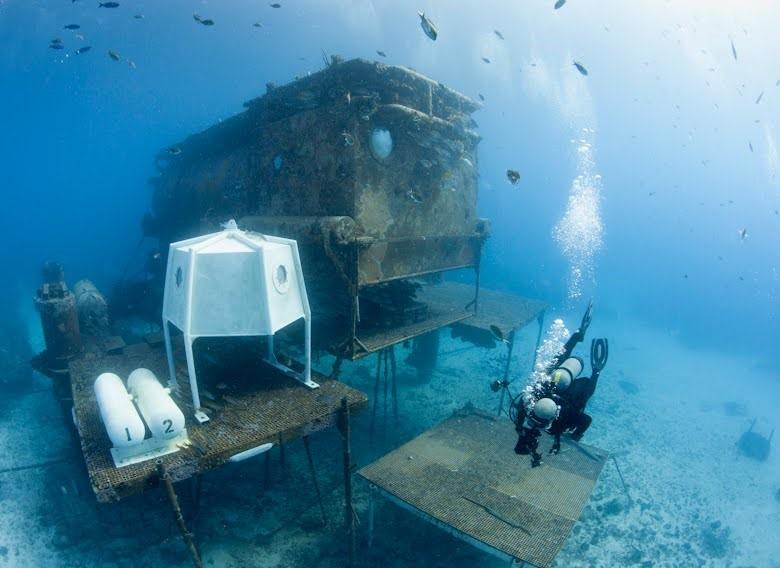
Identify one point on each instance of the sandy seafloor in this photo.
(669, 413)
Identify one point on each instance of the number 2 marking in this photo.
(168, 426)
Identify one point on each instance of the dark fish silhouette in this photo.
(751, 146)
(743, 234)
(381, 53)
(499, 35)
(84, 49)
(56, 40)
(428, 27)
(481, 97)
(733, 49)
(202, 21)
(486, 60)
(581, 68)
(513, 176)
(758, 100)
(139, 16)
(72, 27)
(56, 46)
(276, 5)
(114, 55)
(108, 5)
(559, 4)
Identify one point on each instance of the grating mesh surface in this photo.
(464, 473)
(279, 406)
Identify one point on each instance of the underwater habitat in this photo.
(346, 283)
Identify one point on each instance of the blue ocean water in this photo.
(651, 185)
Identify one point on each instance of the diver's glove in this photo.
(599, 353)
(585, 323)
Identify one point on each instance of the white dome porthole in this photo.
(381, 143)
(281, 278)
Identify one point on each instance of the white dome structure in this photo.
(234, 283)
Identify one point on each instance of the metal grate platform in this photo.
(464, 475)
(506, 311)
(274, 407)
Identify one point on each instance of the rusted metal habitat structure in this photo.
(371, 168)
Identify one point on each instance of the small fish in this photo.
(499, 35)
(381, 53)
(56, 46)
(513, 176)
(139, 16)
(157, 256)
(84, 49)
(750, 144)
(481, 97)
(79, 37)
(428, 27)
(276, 5)
(760, 96)
(349, 140)
(174, 150)
(559, 4)
(108, 5)
(743, 234)
(498, 334)
(114, 55)
(201, 21)
(777, 84)
(414, 196)
(466, 161)
(580, 68)
(685, 276)
(72, 27)
(257, 25)
(486, 60)
(56, 40)
(131, 64)
(733, 49)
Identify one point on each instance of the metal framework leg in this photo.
(189, 538)
(386, 377)
(349, 512)
(196, 488)
(540, 319)
(510, 348)
(371, 505)
(313, 471)
(393, 376)
(267, 480)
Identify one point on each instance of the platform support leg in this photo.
(267, 473)
(376, 393)
(349, 512)
(313, 471)
(540, 319)
(395, 384)
(196, 488)
(189, 538)
(371, 505)
(510, 349)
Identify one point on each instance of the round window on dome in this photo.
(381, 143)
(281, 277)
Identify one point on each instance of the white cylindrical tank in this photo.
(163, 417)
(123, 424)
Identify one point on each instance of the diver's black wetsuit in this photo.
(573, 403)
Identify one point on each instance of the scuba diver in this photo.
(556, 402)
